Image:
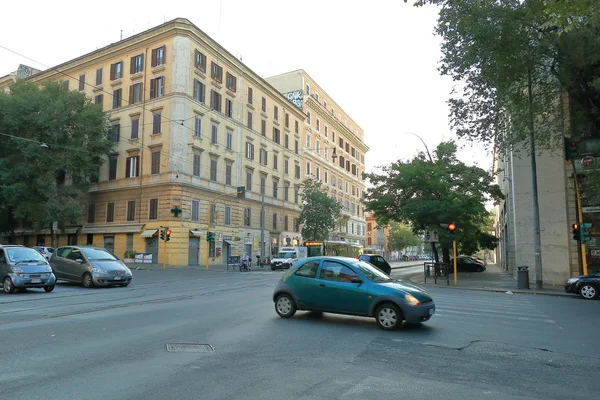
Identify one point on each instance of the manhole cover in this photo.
(189, 348)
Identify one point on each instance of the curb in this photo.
(515, 291)
(407, 266)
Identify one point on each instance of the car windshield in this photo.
(372, 273)
(98, 254)
(24, 254)
(286, 254)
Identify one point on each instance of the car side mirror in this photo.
(356, 280)
(80, 261)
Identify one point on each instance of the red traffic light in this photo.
(169, 232)
(451, 227)
(575, 226)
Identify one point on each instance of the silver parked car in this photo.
(92, 266)
(23, 268)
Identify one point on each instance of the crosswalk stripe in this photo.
(496, 315)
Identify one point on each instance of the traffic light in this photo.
(162, 233)
(586, 231)
(450, 228)
(571, 149)
(168, 235)
(210, 236)
(576, 232)
(241, 192)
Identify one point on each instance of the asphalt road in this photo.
(112, 344)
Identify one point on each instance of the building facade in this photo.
(190, 122)
(333, 150)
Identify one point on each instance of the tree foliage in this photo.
(426, 192)
(52, 141)
(320, 213)
(401, 236)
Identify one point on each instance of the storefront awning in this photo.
(149, 233)
(195, 232)
(229, 242)
(123, 228)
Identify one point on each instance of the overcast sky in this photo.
(378, 59)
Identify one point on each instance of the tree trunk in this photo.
(436, 257)
(446, 255)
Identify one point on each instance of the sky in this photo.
(377, 59)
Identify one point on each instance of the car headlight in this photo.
(17, 270)
(572, 280)
(98, 271)
(412, 300)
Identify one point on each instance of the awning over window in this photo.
(195, 232)
(122, 228)
(149, 233)
(229, 242)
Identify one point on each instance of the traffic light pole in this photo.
(454, 261)
(208, 223)
(580, 222)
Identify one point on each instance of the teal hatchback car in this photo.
(349, 286)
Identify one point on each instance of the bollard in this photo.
(522, 277)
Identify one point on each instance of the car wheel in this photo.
(273, 268)
(8, 285)
(480, 269)
(48, 289)
(285, 306)
(88, 282)
(389, 317)
(588, 291)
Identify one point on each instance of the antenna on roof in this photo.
(121, 34)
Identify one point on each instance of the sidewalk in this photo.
(493, 279)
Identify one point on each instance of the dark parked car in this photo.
(344, 285)
(587, 286)
(377, 261)
(467, 264)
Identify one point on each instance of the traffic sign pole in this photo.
(580, 215)
(454, 260)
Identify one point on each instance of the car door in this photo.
(336, 292)
(4, 267)
(382, 264)
(58, 262)
(305, 283)
(74, 268)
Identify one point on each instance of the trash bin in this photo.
(522, 277)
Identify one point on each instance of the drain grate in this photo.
(189, 348)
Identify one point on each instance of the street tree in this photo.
(432, 189)
(402, 236)
(320, 213)
(52, 144)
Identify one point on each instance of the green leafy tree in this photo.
(433, 189)
(401, 236)
(52, 143)
(320, 213)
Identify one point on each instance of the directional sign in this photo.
(431, 237)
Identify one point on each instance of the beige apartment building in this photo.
(333, 150)
(191, 122)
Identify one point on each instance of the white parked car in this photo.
(45, 251)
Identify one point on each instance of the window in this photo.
(318, 125)
(250, 95)
(318, 146)
(81, 82)
(195, 210)
(112, 168)
(287, 120)
(65, 84)
(248, 180)
(131, 210)
(334, 271)
(308, 269)
(228, 108)
(249, 124)
(135, 93)
(158, 56)
(275, 162)
(156, 123)
(153, 209)
(231, 82)
(308, 168)
(227, 215)
(214, 134)
(135, 128)
(326, 130)
(99, 99)
(91, 214)
(286, 141)
(297, 172)
(275, 113)
(296, 196)
(198, 127)
(275, 188)
(286, 193)
(137, 64)
(215, 100)
(333, 136)
(296, 127)
(116, 133)
(296, 147)
(326, 176)
(117, 96)
(155, 163)
(247, 216)
(216, 72)
(308, 117)
(285, 223)
(199, 91)
(263, 127)
(213, 169)
(276, 135)
(196, 165)
(110, 212)
(116, 71)
(200, 61)
(296, 225)
(307, 140)
(249, 151)
(286, 166)
(99, 73)
(318, 175)
(132, 167)
(263, 184)
(157, 87)
(264, 105)
(229, 140)
(263, 157)
(275, 221)
(228, 169)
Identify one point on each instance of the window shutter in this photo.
(131, 94)
(132, 66)
(142, 62)
(212, 99)
(137, 166)
(196, 95)
(141, 91)
(153, 63)
(152, 88)
(128, 167)
(112, 72)
(164, 60)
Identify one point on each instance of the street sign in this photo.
(431, 237)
